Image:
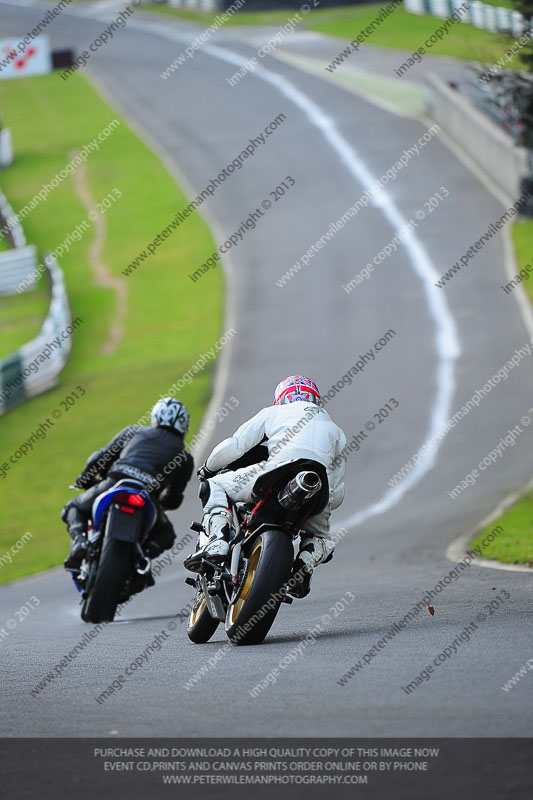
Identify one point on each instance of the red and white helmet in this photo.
(296, 388)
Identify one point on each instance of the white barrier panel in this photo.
(197, 5)
(6, 147)
(490, 18)
(11, 227)
(441, 8)
(477, 14)
(415, 6)
(482, 15)
(518, 24)
(16, 268)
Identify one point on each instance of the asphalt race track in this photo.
(446, 344)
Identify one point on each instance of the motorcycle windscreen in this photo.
(123, 525)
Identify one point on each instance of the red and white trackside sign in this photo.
(17, 60)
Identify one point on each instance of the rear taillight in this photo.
(121, 497)
(130, 499)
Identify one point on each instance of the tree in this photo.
(526, 56)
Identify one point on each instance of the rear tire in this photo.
(116, 563)
(201, 625)
(271, 560)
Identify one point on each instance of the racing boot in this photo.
(314, 550)
(78, 550)
(216, 524)
(76, 525)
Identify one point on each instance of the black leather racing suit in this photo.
(155, 456)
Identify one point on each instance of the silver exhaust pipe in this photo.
(299, 490)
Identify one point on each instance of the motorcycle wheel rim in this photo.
(196, 612)
(236, 608)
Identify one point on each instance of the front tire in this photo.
(253, 612)
(116, 563)
(201, 625)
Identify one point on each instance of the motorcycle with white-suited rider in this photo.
(295, 430)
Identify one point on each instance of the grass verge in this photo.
(515, 544)
(400, 31)
(21, 317)
(167, 325)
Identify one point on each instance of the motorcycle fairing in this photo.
(103, 501)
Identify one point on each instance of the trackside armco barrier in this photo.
(487, 144)
(490, 18)
(34, 368)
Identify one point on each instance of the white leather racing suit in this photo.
(291, 431)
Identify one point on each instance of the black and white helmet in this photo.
(170, 413)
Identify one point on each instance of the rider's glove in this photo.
(204, 473)
(85, 480)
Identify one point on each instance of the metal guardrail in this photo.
(32, 369)
(498, 108)
(490, 18)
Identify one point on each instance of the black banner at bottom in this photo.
(403, 769)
